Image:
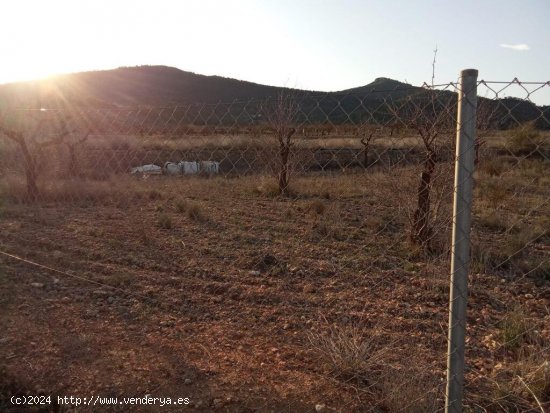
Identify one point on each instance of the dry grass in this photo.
(112, 190)
(164, 221)
(515, 329)
(336, 246)
(317, 207)
(192, 209)
(349, 352)
(411, 389)
(526, 140)
(524, 383)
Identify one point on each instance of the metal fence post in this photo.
(460, 254)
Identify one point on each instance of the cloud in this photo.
(519, 47)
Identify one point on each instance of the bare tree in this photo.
(32, 149)
(72, 141)
(430, 116)
(281, 116)
(366, 134)
(29, 159)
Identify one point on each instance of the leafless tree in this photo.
(431, 117)
(31, 148)
(72, 139)
(366, 134)
(281, 117)
(29, 159)
(33, 144)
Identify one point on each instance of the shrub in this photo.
(317, 206)
(164, 221)
(181, 205)
(154, 195)
(193, 210)
(514, 328)
(525, 140)
(494, 166)
(493, 221)
(516, 385)
(411, 389)
(348, 351)
(494, 192)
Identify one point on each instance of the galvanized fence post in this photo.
(460, 254)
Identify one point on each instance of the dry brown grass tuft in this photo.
(164, 221)
(193, 210)
(521, 384)
(525, 140)
(349, 352)
(109, 191)
(317, 206)
(493, 221)
(515, 329)
(411, 389)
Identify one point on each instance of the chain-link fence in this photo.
(287, 254)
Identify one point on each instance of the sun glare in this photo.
(41, 39)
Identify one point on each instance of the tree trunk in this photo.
(73, 169)
(284, 144)
(283, 173)
(421, 230)
(365, 152)
(30, 171)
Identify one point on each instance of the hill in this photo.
(169, 86)
(153, 86)
(127, 86)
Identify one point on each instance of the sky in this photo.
(308, 44)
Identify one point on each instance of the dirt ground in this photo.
(219, 291)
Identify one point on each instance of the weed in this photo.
(195, 212)
(121, 279)
(154, 195)
(181, 205)
(164, 221)
(317, 206)
(494, 166)
(525, 140)
(514, 328)
(515, 243)
(494, 193)
(410, 389)
(349, 352)
(493, 221)
(524, 381)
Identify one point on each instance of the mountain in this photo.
(127, 86)
(169, 86)
(151, 85)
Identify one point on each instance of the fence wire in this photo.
(287, 254)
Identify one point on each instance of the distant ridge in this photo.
(168, 86)
(149, 85)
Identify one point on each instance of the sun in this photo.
(39, 39)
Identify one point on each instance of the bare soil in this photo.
(222, 306)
